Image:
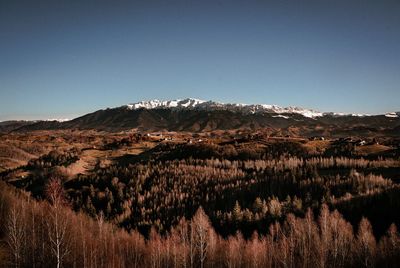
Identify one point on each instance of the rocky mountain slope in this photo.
(196, 115)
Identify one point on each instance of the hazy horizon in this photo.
(64, 59)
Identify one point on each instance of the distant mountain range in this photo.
(197, 115)
(195, 104)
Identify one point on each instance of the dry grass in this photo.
(371, 149)
(89, 158)
(315, 147)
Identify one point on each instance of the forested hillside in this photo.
(203, 202)
(49, 234)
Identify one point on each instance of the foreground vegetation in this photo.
(49, 234)
(214, 202)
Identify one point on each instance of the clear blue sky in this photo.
(67, 58)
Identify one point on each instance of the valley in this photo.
(243, 185)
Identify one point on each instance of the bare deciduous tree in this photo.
(202, 229)
(57, 223)
(366, 243)
(15, 234)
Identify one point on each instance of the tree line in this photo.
(49, 234)
(159, 193)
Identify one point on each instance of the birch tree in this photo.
(58, 222)
(202, 231)
(16, 233)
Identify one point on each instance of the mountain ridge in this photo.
(197, 104)
(194, 115)
(193, 103)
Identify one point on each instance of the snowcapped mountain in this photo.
(392, 115)
(57, 119)
(196, 115)
(154, 104)
(191, 103)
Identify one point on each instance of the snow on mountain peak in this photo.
(57, 119)
(191, 103)
(153, 104)
(392, 115)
